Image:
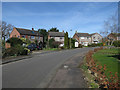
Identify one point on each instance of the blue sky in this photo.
(86, 17)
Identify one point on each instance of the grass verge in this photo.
(110, 58)
(88, 77)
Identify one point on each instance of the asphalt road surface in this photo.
(36, 72)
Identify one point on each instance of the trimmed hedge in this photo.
(116, 43)
(94, 45)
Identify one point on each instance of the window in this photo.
(82, 38)
(23, 36)
(98, 38)
(32, 37)
(61, 37)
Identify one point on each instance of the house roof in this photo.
(28, 32)
(115, 34)
(83, 34)
(86, 34)
(94, 34)
(56, 34)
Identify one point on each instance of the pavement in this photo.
(39, 70)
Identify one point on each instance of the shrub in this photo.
(36, 42)
(15, 51)
(80, 46)
(116, 43)
(94, 45)
(14, 41)
(26, 41)
(62, 48)
(3, 46)
(73, 43)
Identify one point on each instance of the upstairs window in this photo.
(61, 37)
(23, 36)
(82, 37)
(32, 37)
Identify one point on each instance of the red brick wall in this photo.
(76, 37)
(14, 33)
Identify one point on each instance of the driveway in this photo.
(36, 72)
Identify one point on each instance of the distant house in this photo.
(96, 38)
(32, 35)
(58, 36)
(113, 36)
(82, 38)
(86, 38)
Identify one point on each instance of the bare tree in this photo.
(6, 29)
(110, 26)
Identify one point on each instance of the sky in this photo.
(84, 17)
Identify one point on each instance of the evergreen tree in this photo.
(66, 41)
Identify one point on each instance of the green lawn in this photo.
(108, 57)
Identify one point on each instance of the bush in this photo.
(51, 42)
(80, 46)
(116, 43)
(26, 41)
(3, 46)
(15, 51)
(94, 45)
(14, 41)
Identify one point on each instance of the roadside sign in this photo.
(76, 44)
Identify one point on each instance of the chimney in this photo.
(32, 29)
(63, 30)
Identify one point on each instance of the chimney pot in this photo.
(32, 29)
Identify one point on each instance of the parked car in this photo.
(32, 47)
(39, 47)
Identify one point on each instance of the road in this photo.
(36, 72)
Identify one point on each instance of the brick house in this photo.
(58, 36)
(113, 36)
(86, 38)
(96, 38)
(32, 35)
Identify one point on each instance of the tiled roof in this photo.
(56, 34)
(83, 34)
(28, 32)
(115, 34)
